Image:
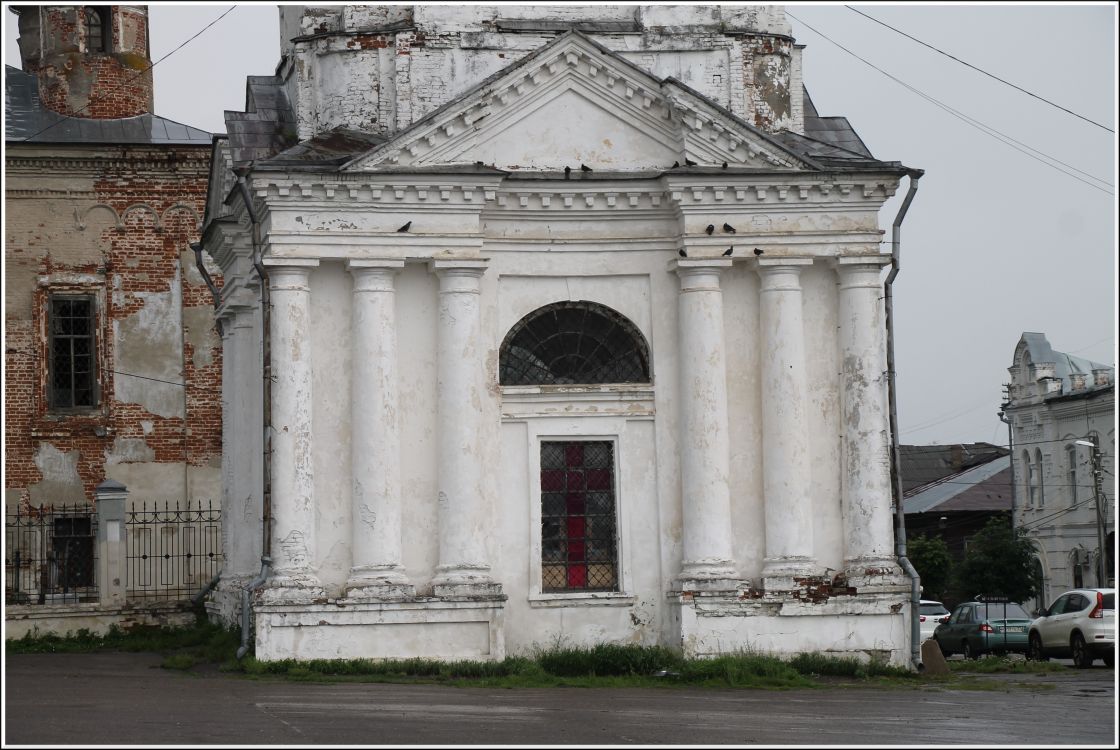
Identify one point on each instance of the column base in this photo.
(871, 573)
(453, 582)
(379, 583)
(788, 573)
(292, 588)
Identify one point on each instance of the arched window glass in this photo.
(1028, 479)
(1071, 473)
(98, 28)
(1041, 485)
(581, 343)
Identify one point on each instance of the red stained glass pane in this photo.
(598, 479)
(577, 576)
(575, 481)
(573, 454)
(552, 480)
(576, 504)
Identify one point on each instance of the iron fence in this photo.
(173, 551)
(50, 555)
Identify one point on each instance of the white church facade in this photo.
(552, 325)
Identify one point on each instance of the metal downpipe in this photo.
(896, 477)
(266, 397)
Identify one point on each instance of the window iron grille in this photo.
(73, 374)
(573, 343)
(50, 555)
(579, 546)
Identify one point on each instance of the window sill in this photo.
(591, 599)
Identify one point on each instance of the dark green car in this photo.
(977, 628)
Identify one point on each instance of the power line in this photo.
(133, 78)
(31, 355)
(986, 129)
(980, 70)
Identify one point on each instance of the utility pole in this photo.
(1003, 417)
(1102, 556)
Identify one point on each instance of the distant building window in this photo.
(72, 374)
(99, 28)
(1028, 479)
(1071, 473)
(1041, 485)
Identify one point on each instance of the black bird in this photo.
(567, 173)
(689, 162)
(757, 251)
(682, 253)
(728, 251)
(405, 227)
(711, 228)
(728, 228)
(725, 165)
(478, 164)
(584, 168)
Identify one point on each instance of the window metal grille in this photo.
(73, 349)
(97, 26)
(50, 555)
(579, 546)
(573, 343)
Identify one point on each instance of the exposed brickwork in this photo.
(111, 84)
(159, 193)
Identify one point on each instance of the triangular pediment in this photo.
(574, 102)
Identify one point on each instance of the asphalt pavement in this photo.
(126, 699)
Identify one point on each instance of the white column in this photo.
(707, 551)
(866, 489)
(785, 439)
(293, 507)
(376, 571)
(463, 526)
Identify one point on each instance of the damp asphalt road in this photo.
(126, 699)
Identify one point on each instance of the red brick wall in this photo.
(139, 257)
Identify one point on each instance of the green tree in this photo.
(930, 557)
(999, 562)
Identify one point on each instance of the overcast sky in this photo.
(995, 244)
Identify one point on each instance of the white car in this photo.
(930, 615)
(1079, 625)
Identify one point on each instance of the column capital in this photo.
(700, 274)
(289, 273)
(458, 266)
(374, 275)
(781, 274)
(877, 260)
(783, 264)
(374, 264)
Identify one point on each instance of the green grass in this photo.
(603, 665)
(183, 647)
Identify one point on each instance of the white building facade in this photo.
(1057, 404)
(575, 336)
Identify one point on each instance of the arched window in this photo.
(1071, 473)
(580, 343)
(99, 28)
(1040, 485)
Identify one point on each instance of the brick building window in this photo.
(579, 540)
(99, 28)
(72, 374)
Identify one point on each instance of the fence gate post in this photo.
(112, 553)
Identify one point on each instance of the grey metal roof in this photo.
(834, 131)
(27, 120)
(268, 124)
(920, 465)
(983, 487)
(1064, 364)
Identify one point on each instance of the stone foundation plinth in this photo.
(341, 629)
(864, 626)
